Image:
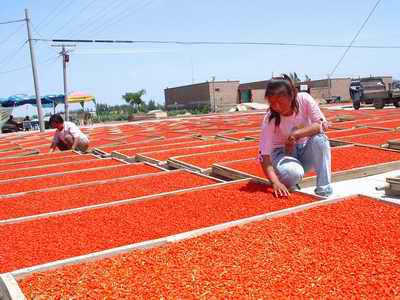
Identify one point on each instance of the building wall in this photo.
(225, 93)
(202, 94)
(257, 85)
(322, 89)
(258, 96)
(340, 87)
(319, 93)
(388, 80)
(187, 97)
(320, 83)
(257, 89)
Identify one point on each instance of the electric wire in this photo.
(355, 37)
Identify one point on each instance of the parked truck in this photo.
(372, 90)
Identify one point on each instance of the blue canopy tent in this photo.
(48, 101)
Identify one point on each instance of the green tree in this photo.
(151, 105)
(134, 98)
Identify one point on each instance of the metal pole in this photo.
(66, 109)
(192, 67)
(213, 81)
(34, 71)
(65, 57)
(329, 87)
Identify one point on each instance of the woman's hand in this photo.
(52, 148)
(290, 144)
(280, 190)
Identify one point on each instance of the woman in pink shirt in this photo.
(293, 140)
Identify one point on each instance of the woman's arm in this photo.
(279, 188)
(267, 133)
(308, 131)
(75, 144)
(54, 143)
(315, 115)
(52, 147)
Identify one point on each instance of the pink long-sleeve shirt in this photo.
(273, 137)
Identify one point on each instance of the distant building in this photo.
(328, 88)
(253, 91)
(319, 89)
(229, 93)
(335, 87)
(217, 95)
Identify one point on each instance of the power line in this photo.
(14, 53)
(355, 37)
(11, 34)
(39, 34)
(92, 22)
(13, 21)
(45, 62)
(56, 8)
(120, 17)
(55, 14)
(36, 31)
(113, 51)
(91, 19)
(16, 69)
(74, 17)
(221, 43)
(47, 20)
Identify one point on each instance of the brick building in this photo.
(327, 88)
(319, 89)
(252, 91)
(229, 93)
(217, 95)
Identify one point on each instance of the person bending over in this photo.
(67, 136)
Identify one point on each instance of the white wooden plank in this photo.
(9, 289)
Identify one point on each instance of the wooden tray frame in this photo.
(106, 204)
(8, 280)
(142, 157)
(175, 161)
(5, 196)
(221, 170)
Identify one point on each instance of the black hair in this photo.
(57, 118)
(278, 83)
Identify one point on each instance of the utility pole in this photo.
(65, 60)
(192, 69)
(65, 57)
(329, 87)
(34, 71)
(213, 86)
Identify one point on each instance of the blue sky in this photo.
(109, 71)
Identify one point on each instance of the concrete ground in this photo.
(349, 106)
(364, 186)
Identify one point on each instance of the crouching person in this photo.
(292, 139)
(67, 136)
